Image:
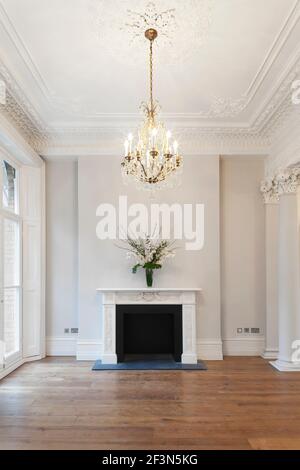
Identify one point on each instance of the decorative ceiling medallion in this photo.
(164, 22)
(180, 23)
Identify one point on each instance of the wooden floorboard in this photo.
(240, 403)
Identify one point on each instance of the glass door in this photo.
(10, 266)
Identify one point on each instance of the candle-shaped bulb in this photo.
(126, 146)
(154, 135)
(168, 136)
(130, 139)
(175, 147)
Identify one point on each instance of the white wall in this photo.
(242, 247)
(62, 247)
(102, 264)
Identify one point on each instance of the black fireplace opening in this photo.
(148, 332)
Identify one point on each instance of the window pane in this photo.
(9, 187)
(11, 321)
(11, 253)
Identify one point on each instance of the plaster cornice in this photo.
(41, 137)
(194, 129)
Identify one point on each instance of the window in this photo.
(9, 190)
(11, 322)
(11, 276)
(10, 264)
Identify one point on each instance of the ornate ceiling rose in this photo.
(178, 29)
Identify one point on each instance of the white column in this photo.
(289, 272)
(271, 237)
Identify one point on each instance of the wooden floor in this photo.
(240, 403)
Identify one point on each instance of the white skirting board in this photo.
(89, 350)
(246, 346)
(270, 354)
(207, 349)
(210, 349)
(92, 350)
(60, 346)
(214, 350)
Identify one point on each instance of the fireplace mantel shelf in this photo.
(149, 289)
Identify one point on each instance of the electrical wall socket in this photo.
(247, 331)
(255, 331)
(70, 330)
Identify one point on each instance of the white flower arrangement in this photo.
(148, 254)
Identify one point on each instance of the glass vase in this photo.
(149, 277)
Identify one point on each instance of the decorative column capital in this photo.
(285, 181)
(269, 191)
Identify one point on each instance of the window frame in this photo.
(15, 216)
(15, 165)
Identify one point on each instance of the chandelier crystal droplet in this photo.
(151, 159)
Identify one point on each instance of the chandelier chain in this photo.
(151, 77)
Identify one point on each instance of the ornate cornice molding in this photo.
(274, 111)
(19, 111)
(286, 181)
(252, 137)
(107, 143)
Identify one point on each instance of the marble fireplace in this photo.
(174, 305)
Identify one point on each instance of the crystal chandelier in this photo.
(151, 160)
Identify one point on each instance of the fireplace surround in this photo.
(176, 299)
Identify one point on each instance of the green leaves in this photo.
(152, 266)
(135, 268)
(146, 266)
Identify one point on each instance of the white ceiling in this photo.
(76, 63)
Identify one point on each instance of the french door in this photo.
(10, 266)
